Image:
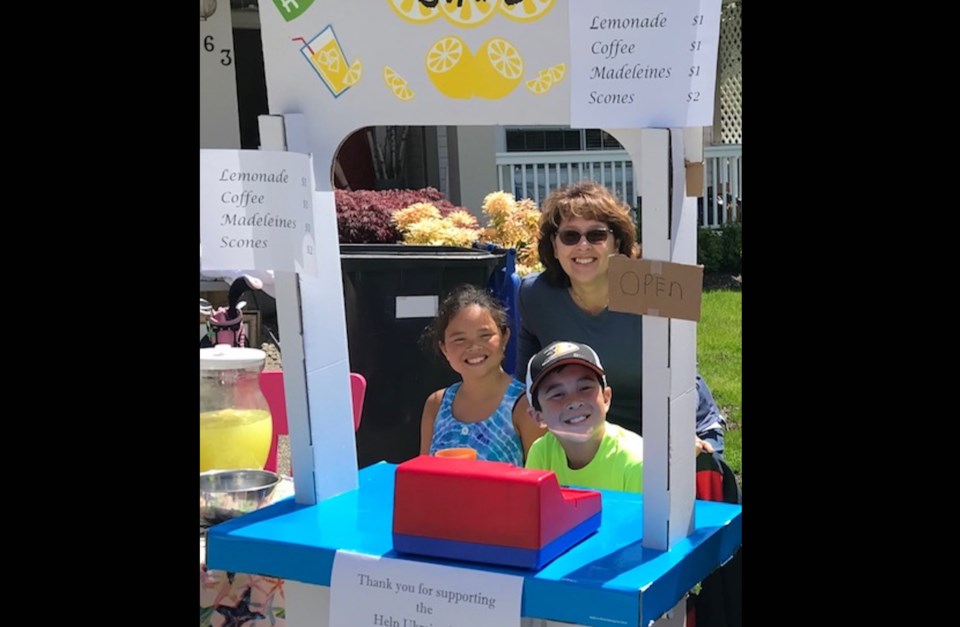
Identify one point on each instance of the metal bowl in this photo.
(226, 494)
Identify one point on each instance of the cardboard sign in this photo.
(643, 63)
(655, 288)
(371, 591)
(256, 211)
(694, 179)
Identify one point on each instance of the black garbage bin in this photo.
(390, 294)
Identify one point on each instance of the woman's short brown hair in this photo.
(590, 201)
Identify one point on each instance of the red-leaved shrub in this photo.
(363, 216)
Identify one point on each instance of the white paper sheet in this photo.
(417, 306)
(368, 591)
(256, 210)
(643, 63)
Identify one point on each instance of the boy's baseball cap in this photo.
(560, 354)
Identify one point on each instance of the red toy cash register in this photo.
(489, 512)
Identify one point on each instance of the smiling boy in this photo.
(568, 394)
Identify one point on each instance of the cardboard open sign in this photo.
(655, 288)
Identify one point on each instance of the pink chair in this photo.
(271, 384)
(358, 391)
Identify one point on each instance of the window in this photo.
(597, 139)
(533, 139)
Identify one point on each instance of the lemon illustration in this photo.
(353, 74)
(414, 11)
(498, 69)
(403, 92)
(546, 79)
(450, 67)
(539, 85)
(468, 13)
(557, 72)
(390, 76)
(397, 84)
(525, 10)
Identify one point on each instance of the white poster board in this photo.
(646, 64)
(348, 65)
(370, 591)
(256, 211)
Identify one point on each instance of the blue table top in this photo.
(608, 579)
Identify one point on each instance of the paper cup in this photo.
(457, 453)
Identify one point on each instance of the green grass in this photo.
(719, 358)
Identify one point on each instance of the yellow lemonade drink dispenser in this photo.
(236, 429)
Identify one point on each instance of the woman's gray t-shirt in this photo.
(548, 314)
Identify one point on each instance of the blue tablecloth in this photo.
(608, 579)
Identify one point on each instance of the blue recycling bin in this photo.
(505, 285)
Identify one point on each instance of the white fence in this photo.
(722, 201)
(535, 174)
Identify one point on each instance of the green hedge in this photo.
(720, 250)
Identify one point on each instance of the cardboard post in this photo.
(326, 382)
(683, 341)
(656, 341)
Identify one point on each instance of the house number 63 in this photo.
(225, 58)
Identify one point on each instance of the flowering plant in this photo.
(511, 224)
(422, 223)
(514, 225)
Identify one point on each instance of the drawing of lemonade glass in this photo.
(326, 56)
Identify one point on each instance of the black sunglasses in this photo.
(571, 237)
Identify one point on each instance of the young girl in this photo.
(487, 410)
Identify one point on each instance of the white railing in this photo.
(722, 200)
(535, 174)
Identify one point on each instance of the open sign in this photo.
(655, 288)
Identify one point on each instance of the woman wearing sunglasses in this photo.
(581, 226)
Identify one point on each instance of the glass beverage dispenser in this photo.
(236, 428)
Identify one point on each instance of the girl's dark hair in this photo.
(590, 201)
(461, 297)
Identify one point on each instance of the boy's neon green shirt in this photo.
(618, 464)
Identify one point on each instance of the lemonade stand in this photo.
(644, 70)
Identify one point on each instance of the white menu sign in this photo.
(256, 211)
(369, 591)
(643, 63)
